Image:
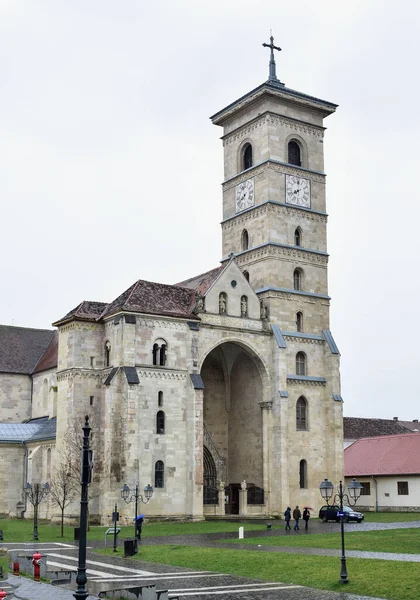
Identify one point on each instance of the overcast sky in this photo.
(110, 169)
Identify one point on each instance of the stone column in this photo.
(221, 506)
(243, 504)
(266, 407)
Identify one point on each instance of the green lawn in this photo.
(383, 579)
(391, 517)
(394, 540)
(16, 530)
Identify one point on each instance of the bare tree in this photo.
(72, 448)
(62, 488)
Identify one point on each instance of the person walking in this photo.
(296, 515)
(306, 515)
(287, 517)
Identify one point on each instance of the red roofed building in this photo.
(388, 467)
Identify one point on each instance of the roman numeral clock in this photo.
(244, 195)
(298, 191)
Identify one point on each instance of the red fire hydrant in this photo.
(36, 561)
(2, 594)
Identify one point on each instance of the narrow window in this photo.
(298, 237)
(294, 153)
(160, 398)
(246, 275)
(297, 279)
(299, 321)
(159, 474)
(245, 240)
(92, 361)
(160, 422)
(91, 400)
(300, 363)
(49, 464)
(107, 354)
(155, 353)
(402, 488)
(162, 355)
(247, 157)
(365, 491)
(301, 420)
(303, 475)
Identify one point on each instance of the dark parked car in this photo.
(329, 513)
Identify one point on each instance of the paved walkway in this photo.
(25, 589)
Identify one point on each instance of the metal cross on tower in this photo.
(272, 64)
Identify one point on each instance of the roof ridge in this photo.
(26, 328)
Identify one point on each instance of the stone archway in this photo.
(233, 390)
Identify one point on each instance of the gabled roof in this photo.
(21, 348)
(203, 282)
(355, 427)
(384, 455)
(35, 430)
(154, 298)
(85, 311)
(49, 358)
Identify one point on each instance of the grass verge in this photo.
(379, 578)
(395, 540)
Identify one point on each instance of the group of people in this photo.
(297, 515)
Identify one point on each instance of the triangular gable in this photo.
(231, 281)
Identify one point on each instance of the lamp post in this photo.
(136, 496)
(354, 488)
(85, 480)
(35, 494)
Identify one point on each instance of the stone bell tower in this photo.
(275, 225)
(274, 206)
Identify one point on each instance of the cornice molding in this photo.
(81, 325)
(302, 340)
(227, 322)
(306, 380)
(81, 373)
(268, 293)
(273, 119)
(271, 250)
(273, 206)
(278, 167)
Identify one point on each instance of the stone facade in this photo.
(196, 388)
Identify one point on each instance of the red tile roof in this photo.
(384, 455)
(50, 357)
(201, 283)
(85, 311)
(358, 427)
(155, 299)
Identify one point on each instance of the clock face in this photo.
(298, 191)
(244, 195)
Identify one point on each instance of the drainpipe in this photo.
(25, 476)
(376, 493)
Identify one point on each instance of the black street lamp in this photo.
(35, 495)
(85, 480)
(354, 488)
(125, 495)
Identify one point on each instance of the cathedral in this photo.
(221, 391)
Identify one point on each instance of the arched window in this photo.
(245, 240)
(162, 355)
(300, 363)
(247, 157)
(160, 398)
(297, 279)
(107, 354)
(301, 416)
(303, 475)
(159, 474)
(299, 321)
(155, 353)
(293, 150)
(222, 303)
(246, 275)
(298, 237)
(160, 422)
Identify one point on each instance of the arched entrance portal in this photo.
(233, 390)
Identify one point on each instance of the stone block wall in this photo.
(15, 397)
